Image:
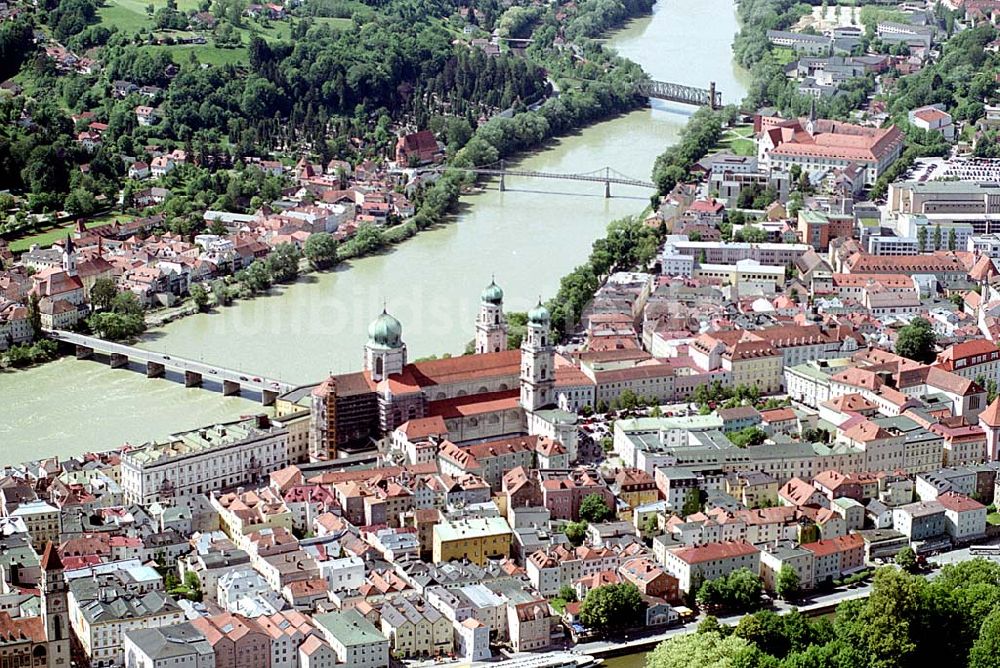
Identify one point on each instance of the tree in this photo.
(937, 237)
(125, 318)
(567, 593)
(321, 250)
(650, 525)
(922, 238)
(887, 624)
(80, 202)
(199, 295)
(283, 262)
(917, 341)
(692, 502)
(575, 532)
(116, 326)
(747, 436)
(257, 277)
(740, 591)
(952, 239)
(766, 630)
(787, 584)
(193, 585)
(126, 303)
(594, 509)
(985, 651)
(221, 293)
(701, 650)
(613, 608)
(34, 315)
(102, 293)
(906, 559)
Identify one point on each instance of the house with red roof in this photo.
(820, 144)
(691, 565)
(798, 492)
(560, 565)
(708, 210)
(836, 557)
(965, 518)
(651, 579)
(418, 148)
(933, 118)
(977, 358)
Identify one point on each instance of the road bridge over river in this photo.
(160, 365)
(605, 175)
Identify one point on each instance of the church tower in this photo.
(385, 352)
(54, 609)
(989, 420)
(538, 378)
(491, 326)
(69, 257)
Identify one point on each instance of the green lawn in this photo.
(993, 518)
(123, 18)
(783, 55)
(206, 53)
(738, 140)
(49, 237)
(330, 21)
(130, 15)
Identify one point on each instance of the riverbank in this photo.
(528, 237)
(639, 646)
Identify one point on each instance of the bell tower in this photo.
(538, 379)
(385, 352)
(54, 609)
(491, 326)
(69, 256)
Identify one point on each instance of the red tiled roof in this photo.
(423, 427)
(22, 629)
(475, 404)
(991, 415)
(797, 491)
(778, 415)
(714, 551)
(823, 548)
(930, 115)
(866, 431)
(959, 503)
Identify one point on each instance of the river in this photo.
(528, 237)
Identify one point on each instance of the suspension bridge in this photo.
(672, 92)
(605, 175)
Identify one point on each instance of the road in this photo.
(208, 372)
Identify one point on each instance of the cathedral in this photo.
(492, 393)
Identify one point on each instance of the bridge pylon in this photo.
(503, 171)
(711, 96)
(607, 183)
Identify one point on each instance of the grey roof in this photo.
(111, 604)
(350, 628)
(170, 641)
(922, 509)
(398, 611)
(877, 507)
(214, 560)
